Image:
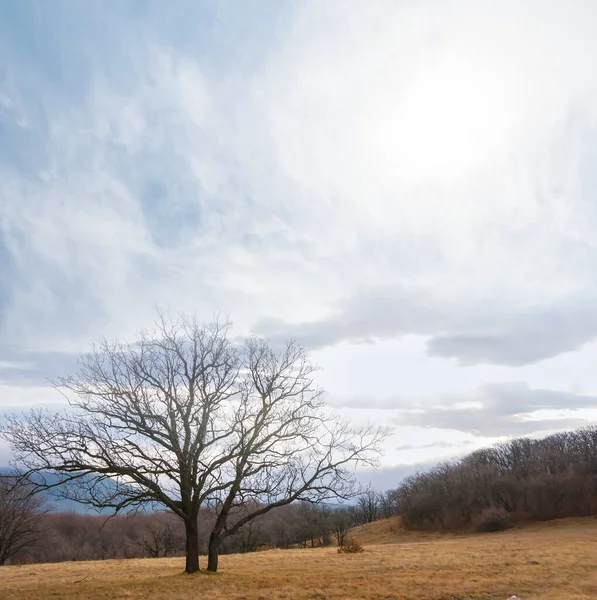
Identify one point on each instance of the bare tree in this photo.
(311, 522)
(20, 517)
(387, 505)
(290, 446)
(159, 537)
(341, 520)
(147, 424)
(183, 419)
(367, 508)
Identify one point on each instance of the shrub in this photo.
(493, 519)
(351, 546)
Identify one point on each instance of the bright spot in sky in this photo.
(451, 118)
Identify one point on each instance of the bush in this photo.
(351, 546)
(493, 519)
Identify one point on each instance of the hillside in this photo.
(548, 561)
(391, 531)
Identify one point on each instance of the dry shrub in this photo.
(493, 519)
(351, 546)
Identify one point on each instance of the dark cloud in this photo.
(472, 334)
(519, 339)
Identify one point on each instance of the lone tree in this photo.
(20, 516)
(184, 419)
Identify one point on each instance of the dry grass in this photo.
(551, 561)
(390, 531)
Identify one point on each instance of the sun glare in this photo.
(449, 119)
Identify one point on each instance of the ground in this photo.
(548, 561)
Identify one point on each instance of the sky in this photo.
(407, 188)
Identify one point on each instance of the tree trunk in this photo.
(192, 545)
(214, 552)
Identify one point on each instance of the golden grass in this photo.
(390, 531)
(551, 561)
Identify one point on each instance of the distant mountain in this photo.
(56, 503)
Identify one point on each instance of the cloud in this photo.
(503, 410)
(465, 331)
(31, 368)
(388, 478)
(520, 338)
(265, 170)
(433, 445)
(491, 411)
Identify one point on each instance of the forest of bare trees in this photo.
(21, 518)
(521, 479)
(68, 536)
(56, 535)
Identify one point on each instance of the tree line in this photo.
(520, 479)
(43, 535)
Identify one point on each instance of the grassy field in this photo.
(551, 561)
